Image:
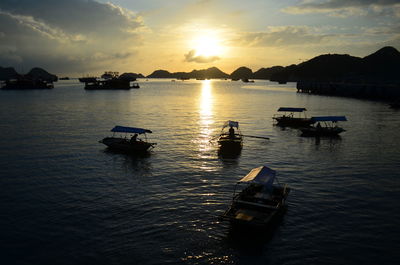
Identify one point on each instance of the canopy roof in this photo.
(130, 130)
(232, 124)
(260, 175)
(292, 109)
(329, 118)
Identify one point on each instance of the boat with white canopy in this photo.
(125, 144)
(230, 140)
(288, 119)
(260, 202)
(325, 126)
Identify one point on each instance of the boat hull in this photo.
(229, 146)
(318, 132)
(250, 211)
(126, 146)
(293, 122)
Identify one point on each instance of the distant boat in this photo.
(230, 141)
(329, 127)
(87, 79)
(64, 78)
(288, 119)
(26, 84)
(123, 144)
(260, 203)
(110, 81)
(395, 105)
(245, 80)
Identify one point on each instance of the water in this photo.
(65, 200)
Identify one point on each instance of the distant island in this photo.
(313, 76)
(381, 66)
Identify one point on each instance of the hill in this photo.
(242, 73)
(7, 73)
(381, 66)
(209, 73)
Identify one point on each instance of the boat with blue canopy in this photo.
(288, 119)
(260, 202)
(324, 126)
(230, 140)
(133, 144)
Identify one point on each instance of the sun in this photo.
(207, 45)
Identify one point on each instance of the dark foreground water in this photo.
(65, 200)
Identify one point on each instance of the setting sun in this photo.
(207, 45)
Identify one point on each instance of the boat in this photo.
(246, 80)
(260, 202)
(132, 145)
(395, 105)
(26, 84)
(328, 128)
(230, 141)
(87, 79)
(288, 119)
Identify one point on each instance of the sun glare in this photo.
(207, 45)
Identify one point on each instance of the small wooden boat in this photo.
(260, 202)
(329, 127)
(230, 141)
(289, 120)
(132, 145)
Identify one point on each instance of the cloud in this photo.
(66, 36)
(282, 36)
(191, 57)
(345, 8)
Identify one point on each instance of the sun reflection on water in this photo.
(206, 120)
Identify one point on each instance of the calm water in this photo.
(65, 200)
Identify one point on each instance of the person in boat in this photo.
(231, 133)
(134, 138)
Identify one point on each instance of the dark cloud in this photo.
(71, 36)
(282, 36)
(347, 6)
(192, 57)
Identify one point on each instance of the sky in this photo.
(82, 37)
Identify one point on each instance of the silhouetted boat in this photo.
(288, 120)
(26, 83)
(230, 141)
(123, 144)
(87, 79)
(260, 202)
(64, 78)
(329, 127)
(245, 80)
(395, 105)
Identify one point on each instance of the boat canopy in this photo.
(130, 130)
(292, 109)
(260, 175)
(232, 124)
(329, 118)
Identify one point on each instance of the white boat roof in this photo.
(260, 175)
